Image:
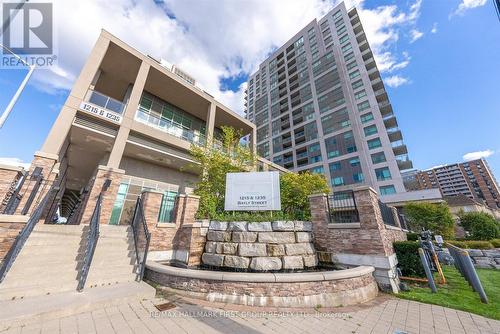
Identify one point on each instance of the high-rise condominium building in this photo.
(319, 104)
(473, 179)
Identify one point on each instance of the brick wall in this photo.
(183, 235)
(8, 180)
(10, 226)
(109, 196)
(370, 237)
(47, 164)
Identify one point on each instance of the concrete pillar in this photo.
(59, 131)
(128, 117)
(103, 173)
(211, 121)
(253, 141)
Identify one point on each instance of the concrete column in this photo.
(59, 131)
(211, 121)
(253, 143)
(128, 117)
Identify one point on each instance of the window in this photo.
(374, 143)
(357, 84)
(337, 14)
(344, 39)
(348, 56)
(166, 214)
(370, 130)
(366, 117)
(346, 48)
(358, 177)
(337, 181)
(378, 158)
(383, 174)
(360, 94)
(341, 30)
(354, 74)
(334, 166)
(317, 170)
(354, 162)
(352, 65)
(363, 105)
(387, 190)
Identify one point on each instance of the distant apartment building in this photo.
(473, 179)
(319, 104)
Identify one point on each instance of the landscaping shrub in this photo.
(412, 236)
(262, 216)
(495, 243)
(460, 244)
(429, 216)
(408, 258)
(472, 244)
(480, 225)
(295, 189)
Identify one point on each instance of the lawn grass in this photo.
(458, 294)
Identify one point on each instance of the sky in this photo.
(439, 60)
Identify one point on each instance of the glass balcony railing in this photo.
(171, 128)
(105, 102)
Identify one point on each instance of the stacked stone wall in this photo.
(260, 246)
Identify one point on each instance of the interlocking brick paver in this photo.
(385, 315)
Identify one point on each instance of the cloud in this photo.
(14, 162)
(210, 40)
(478, 155)
(396, 81)
(415, 35)
(434, 28)
(466, 5)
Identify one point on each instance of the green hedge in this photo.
(474, 244)
(495, 243)
(408, 258)
(412, 236)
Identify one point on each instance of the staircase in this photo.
(114, 259)
(52, 257)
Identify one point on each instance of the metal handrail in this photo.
(21, 238)
(92, 238)
(139, 229)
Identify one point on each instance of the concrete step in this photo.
(43, 308)
(16, 293)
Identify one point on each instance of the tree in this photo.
(434, 217)
(215, 161)
(295, 191)
(480, 225)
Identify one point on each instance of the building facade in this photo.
(127, 127)
(319, 104)
(473, 179)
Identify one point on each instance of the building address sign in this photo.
(98, 111)
(253, 191)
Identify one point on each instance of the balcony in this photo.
(394, 135)
(399, 148)
(105, 101)
(390, 122)
(169, 127)
(385, 108)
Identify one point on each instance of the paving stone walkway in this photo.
(383, 315)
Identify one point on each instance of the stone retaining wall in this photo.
(260, 246)
(485, 258)
(328, 289)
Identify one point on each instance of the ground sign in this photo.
(254, 191)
